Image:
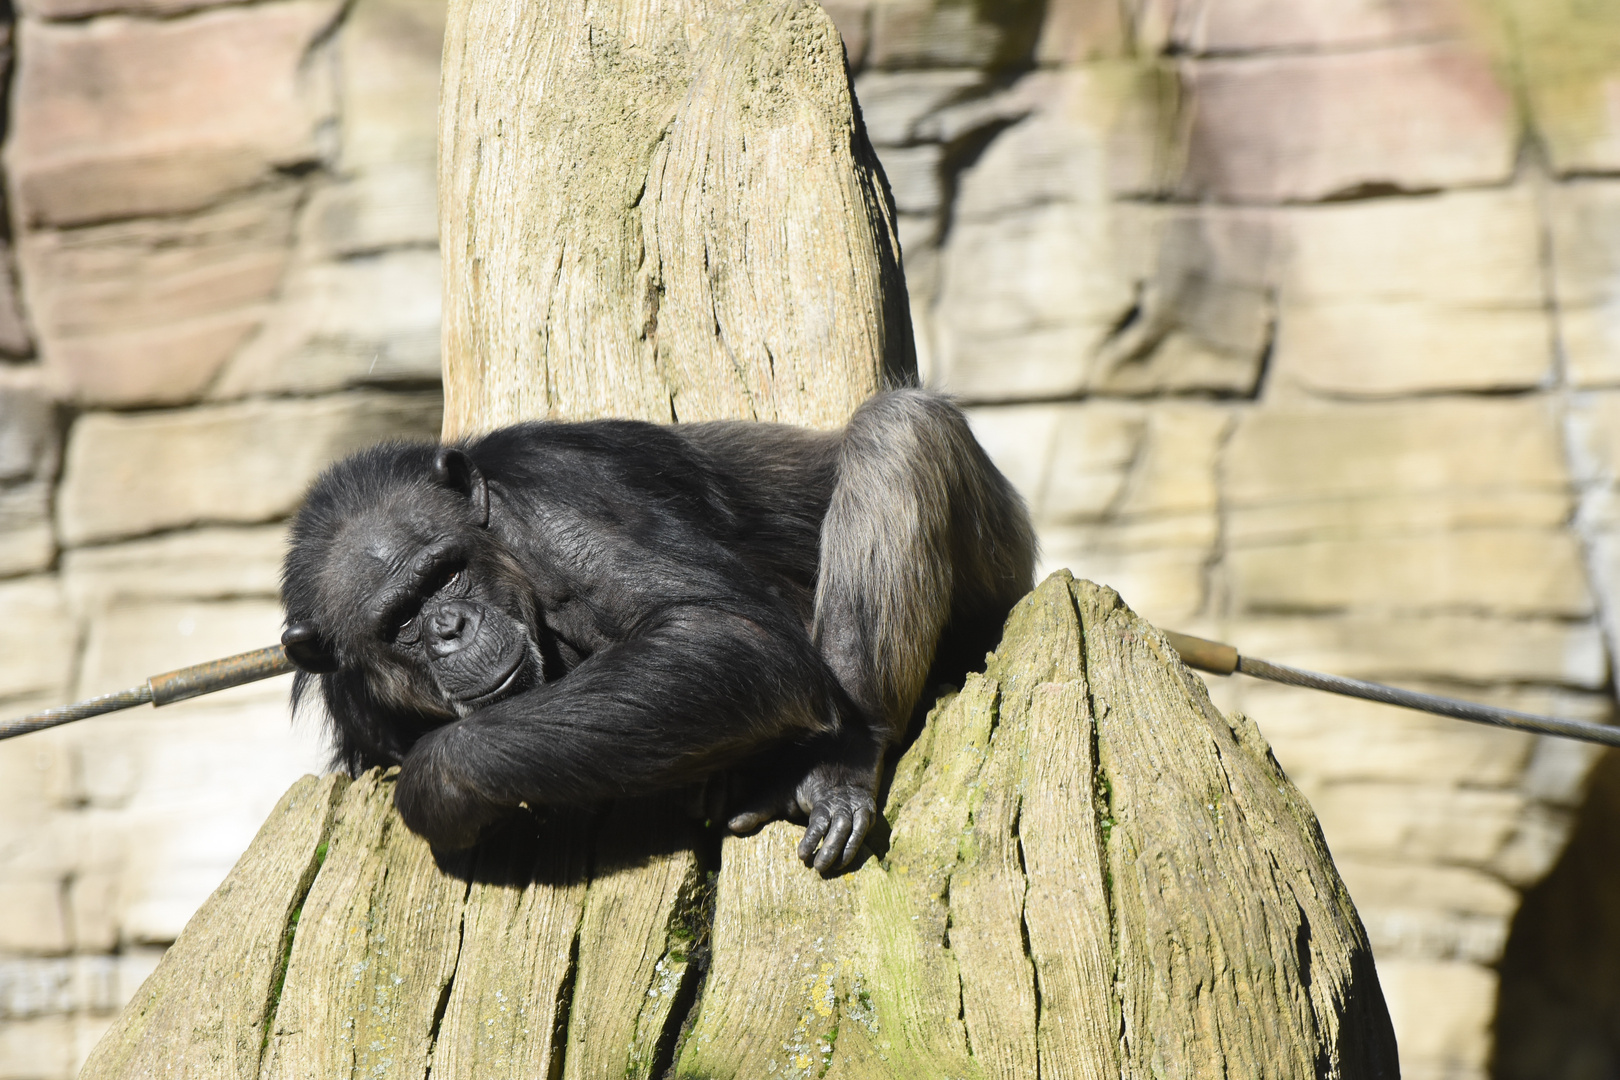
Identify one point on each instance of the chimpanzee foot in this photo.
(748, 822)
(841, 811)
(752, 811)
(834, 798)
(839, 816)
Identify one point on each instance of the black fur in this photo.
(561, 613)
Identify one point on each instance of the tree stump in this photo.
(1090, 872)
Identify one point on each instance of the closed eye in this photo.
(406, 633)
(401, 621)
(444, 578)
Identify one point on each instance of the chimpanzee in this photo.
(560, 613)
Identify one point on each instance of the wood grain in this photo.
(375, 949)
(662, 211)
(1238, 948)
(204, 1011)
(507, 1010)
(1067, 904)
(644, 921)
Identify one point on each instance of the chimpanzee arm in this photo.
(694, 689)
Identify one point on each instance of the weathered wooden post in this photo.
(660, 210)
(669, 210)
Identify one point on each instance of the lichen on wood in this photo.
(1090, 872)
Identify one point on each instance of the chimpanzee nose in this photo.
(450, 629)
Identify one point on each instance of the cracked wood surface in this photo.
(375, 946)
(1091, 872)
(661, 211)
(205, 1010)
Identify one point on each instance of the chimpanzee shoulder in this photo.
(698, 492)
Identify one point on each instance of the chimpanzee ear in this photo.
(455, 470)
(306, 649)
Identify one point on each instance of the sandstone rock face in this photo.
(201, 564)
(248, 462)
(220, 203)
(40, 641)
(371, 319)
(1584, 220)
(146, 312)
(388, 56)
(1285, 128)
(1232, 26)
(180, 113)
(919, 34)
(30, 451)
(1567, 54)
(1029, 285)
(1365, 312)
(1128, 490)
(1455, 999)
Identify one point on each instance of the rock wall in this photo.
(1294, 320)
(224, 242)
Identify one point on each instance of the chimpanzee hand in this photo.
(434, 798)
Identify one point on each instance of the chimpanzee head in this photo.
(401, 601)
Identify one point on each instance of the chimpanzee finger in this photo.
(857, 835)
(749, 821)
(820, 819)
(827, 859)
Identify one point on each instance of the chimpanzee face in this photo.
(416, 595)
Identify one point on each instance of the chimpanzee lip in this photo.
(506, 682)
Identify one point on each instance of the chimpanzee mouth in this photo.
(504, 685)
